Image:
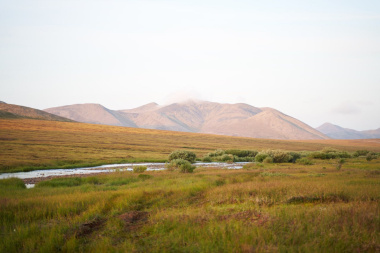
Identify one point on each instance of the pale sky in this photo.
(317, 61)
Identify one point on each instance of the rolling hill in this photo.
(10, 111)
(337, 132)
(197, 117)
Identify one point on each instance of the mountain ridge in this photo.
(12, 111)
(197, 116)
(338, 132)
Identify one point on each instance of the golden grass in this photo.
(29, 144)
(274, 208)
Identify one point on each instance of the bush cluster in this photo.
(277, 156)
(329, 153)
(184, 166)
(370, 156)
(182, 154)
(242, 153)
(358, 153)
(231, 155)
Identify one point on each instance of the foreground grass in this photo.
(36, 144)
(269, 208)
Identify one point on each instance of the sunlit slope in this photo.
(27, 144)
(10, 111)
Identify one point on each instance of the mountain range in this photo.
(197, 116)
(193, 116)
(337, 132)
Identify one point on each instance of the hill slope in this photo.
(9, 111)
(198, 117)
(337, 132)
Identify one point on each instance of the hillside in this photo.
(10, 111)
(337, 132)
(77, 144)
(197, 117)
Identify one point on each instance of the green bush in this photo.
(139, 169)
(216, 153)
(226, 158)
(279, 156)
(182, 154)
(268, 160)
(243, 159)
(329, 154)
(305, 161)
(370, 156)
(358, 153)
(340, 163)
(207, 159)
(260, 157)
(181, 164)
(242, 153)
(186, 168)
(294, 156)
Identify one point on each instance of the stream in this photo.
(38, 174)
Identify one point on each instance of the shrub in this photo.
(243, 159)
(183, 154)
(186, 168)
(268, 160)
(242, 153)
(218, 152)
(207, 159)
(279, 156)
(294, 156)
(340, 163)
(305, 161)
(328, 153)
(181, 164)
(226, 158)
(370, 156)
(260, 157)
(139, 169)
(358, 153)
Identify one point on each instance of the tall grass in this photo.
(273, 207)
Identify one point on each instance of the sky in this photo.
(317, 61)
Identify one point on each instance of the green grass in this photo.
(269, 208)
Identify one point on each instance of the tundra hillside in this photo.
(36, 144)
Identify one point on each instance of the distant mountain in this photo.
(10, 111)
(197, 116)
(92, 113)
(337, 132)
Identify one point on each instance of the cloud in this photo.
(182, 96)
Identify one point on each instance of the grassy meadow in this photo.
(262, 208)
(36, 144)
